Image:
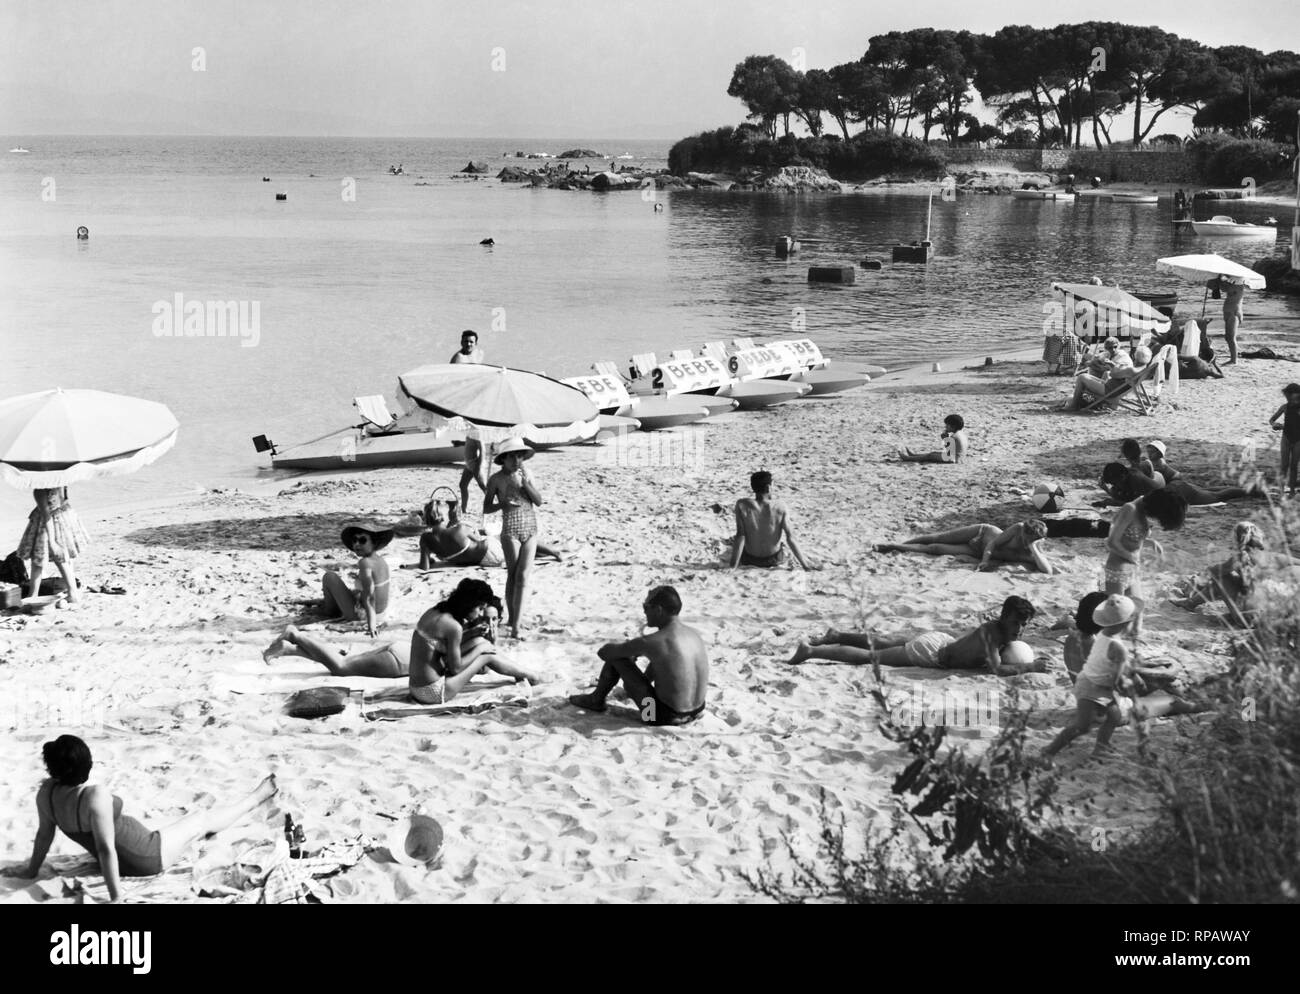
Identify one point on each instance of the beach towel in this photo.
(472, 700)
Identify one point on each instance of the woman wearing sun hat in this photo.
(510, 490)
(368, 600)
(1156, 450)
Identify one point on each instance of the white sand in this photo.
(547, 803)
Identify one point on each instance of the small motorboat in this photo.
(21, 151)
(353, 448)
(1135, 198)
(1221, 224)
(833, 380)
(1061, 195)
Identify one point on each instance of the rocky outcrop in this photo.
(797, 179)
(513, 174)
(614, 181)
(475, 167)
(580, 153)
(998, 180)
(1276, 269)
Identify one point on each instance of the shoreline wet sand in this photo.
(545, 802)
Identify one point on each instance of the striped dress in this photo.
(54, 532)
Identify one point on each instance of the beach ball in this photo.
(1017, 654)
(1048, 498)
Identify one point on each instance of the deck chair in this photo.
(1142, 392)
(607, 368)
(741, 344)
(681, 355)
(642, 364)
(715, 350)
(375, 414)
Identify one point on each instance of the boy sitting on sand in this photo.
(978, 649)
(672, 688)
(954, 444)
(760, 524)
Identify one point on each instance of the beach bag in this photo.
(14, 570)
(317, 702)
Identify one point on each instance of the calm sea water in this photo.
(352, 292)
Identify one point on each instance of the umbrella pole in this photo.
(1204, 301)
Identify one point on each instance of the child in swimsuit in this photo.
(954, 444)
(92, 817)
(1289, 413)
(1104, 677)
(511, 491)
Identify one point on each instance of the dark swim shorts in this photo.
(656, 712)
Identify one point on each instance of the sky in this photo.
(464, 68)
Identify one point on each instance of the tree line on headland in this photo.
(1046, 87)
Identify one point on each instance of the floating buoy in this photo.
(487, 241)
(282, 196)
(266, 179)
(83, 233)
(831, 274)
(767, 280)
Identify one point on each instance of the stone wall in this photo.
(1124, 165)
(1113, 166)
(1024, 159)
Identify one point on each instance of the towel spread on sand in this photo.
(472, 700)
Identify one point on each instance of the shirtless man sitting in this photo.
(760, 524)
(979, 649)
(672, 688)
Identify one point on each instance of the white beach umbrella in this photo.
(55, 438)
(1203, 267)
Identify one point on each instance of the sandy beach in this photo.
(540, 801)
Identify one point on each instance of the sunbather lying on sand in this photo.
(448, 540)
(1021, 543)
(387, 661)
(1125, 485)
(450, 646)
(979, 649)
(672, 688)
(954, 444)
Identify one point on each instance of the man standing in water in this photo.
(672, 688)
(760, 525)
(469, 350)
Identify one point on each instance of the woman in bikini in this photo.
(1021, 543)
(449, 542)
(368, 601)
(453, 642)
(510, 490)
(92, 817)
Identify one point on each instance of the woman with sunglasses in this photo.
(368, 600)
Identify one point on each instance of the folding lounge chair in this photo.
(608, 368)
(642, 364)
(376, 418)
(1142, 393)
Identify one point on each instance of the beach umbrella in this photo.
(59, 437)
(515, 401)
(1203, 267)
(1114, 306)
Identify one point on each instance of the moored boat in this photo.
(1135, 198)
(1221, 224)
(353, 448)
(1061, 195)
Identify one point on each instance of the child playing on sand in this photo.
(510, 490)
(1105, 674)
(53, 533)
(1290, 429)
(954, 444)
(977, 650)
(760, 525)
